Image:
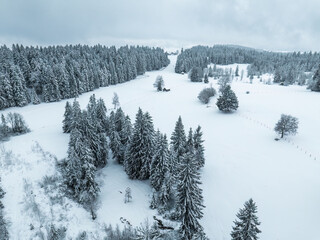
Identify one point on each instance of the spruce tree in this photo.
(316, 81)
(178, 139)
(166, 195)
(246, 226)
(189, 197)
(18, 87)
(198, 147)
(67, 121)
(159, 163)
(76, 115)
(73, 163)
(237, 71)
(89, 189)
(190, 143)
(140, 150)
(101, 114)
(228, 100)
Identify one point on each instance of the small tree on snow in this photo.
(246, 228)
(127, 195)
(287, 125)
(228, 100)
(159, 83)
(115, 100)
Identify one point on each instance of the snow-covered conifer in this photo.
(159, 163)
(198, 147)
(228, 100)
(178, 139)
(67, 121)
(246, 226)
(140, 150)
(189, 197)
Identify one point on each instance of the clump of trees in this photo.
(12, 124)
(49, 74)
(314, 84)
(159, 83)
(246, 226)
(227, 101)
(87, 150)
(144, 153)
(205, 95)
(4, 234)
(148, 155)
(288, 68)
(286, 125)
(196, 74)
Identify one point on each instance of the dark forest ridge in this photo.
(49, 74)
(287, 68)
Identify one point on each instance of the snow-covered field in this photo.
(242, 158)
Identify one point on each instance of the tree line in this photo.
(49, 74)
(288, 68)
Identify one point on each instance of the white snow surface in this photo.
(242, 158)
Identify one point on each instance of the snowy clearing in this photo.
(242, 158)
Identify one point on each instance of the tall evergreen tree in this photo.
(316, 81)
(73, 163)
(140, 151)
(67, 121)
(189, 197)
(198, 147)
(159, 163)
(76, 115)
(101, 113)
(18, 87)
(178, 139)
(246, 227)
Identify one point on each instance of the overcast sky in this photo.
(266, 24)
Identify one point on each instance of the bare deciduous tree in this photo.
(286, 125)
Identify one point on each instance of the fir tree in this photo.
(89, 189)
(190, 143)
(246, 226)
(18, 88)
(198, 147)
(189, 197)
(101, 115)
(141, 146)
(178, 139)
(316, 81)
(76, 115)
(227, 101)
(73, 163)
(166, 195)
(34, 97)
(196, 74)
(206, 79)
(237, 71)
(67, 121)
(159, 163)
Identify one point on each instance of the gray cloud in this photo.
(265, 24)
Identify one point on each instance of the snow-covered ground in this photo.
(242, 158)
